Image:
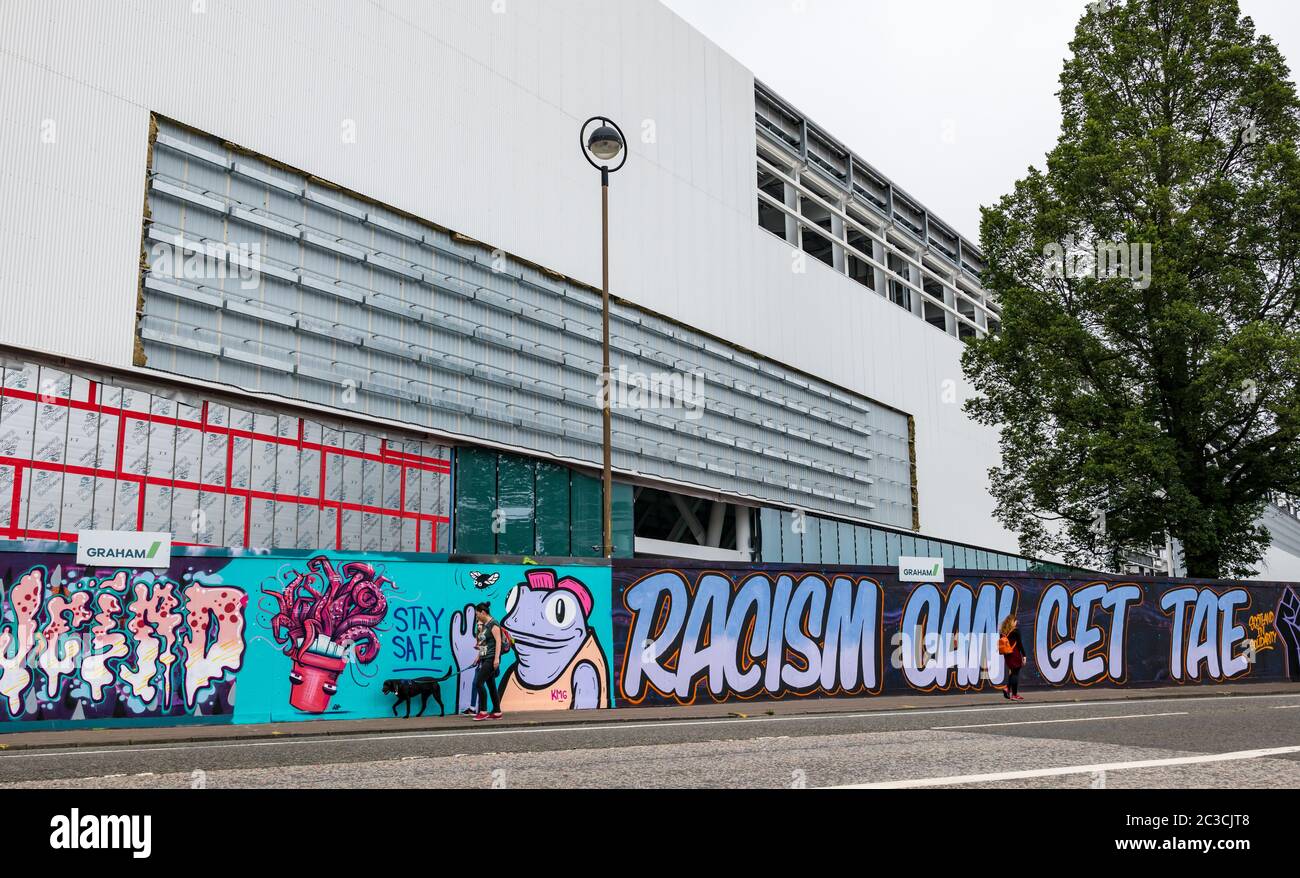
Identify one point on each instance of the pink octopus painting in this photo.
(317, 629)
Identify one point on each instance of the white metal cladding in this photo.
(819, 197)
(79, 452)
(265, 279)
(1282, 562)
(455, 111)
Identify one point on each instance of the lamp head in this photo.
(605, 143)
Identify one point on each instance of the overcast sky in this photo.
(952, 99)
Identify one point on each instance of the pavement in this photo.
(91, 736)
(1235, 736)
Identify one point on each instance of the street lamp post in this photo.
(604, 145)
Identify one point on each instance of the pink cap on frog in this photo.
(544, 580)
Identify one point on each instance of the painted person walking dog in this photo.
(1012, 649)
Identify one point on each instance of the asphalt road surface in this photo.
(1202, 742)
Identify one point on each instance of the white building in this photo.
(416, 239)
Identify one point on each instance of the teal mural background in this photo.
(194, 643)
(417, 637)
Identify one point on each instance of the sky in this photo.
(952, 99)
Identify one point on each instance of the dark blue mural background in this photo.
(696, 632)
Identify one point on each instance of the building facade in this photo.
(285, 277)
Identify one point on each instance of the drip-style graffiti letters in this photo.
(764, 636)
(108, 643)
(18, 637)
(82, 640)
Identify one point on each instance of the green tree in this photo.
(1166, 400)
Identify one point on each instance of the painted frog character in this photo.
(560, 662)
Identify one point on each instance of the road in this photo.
(1197, 742)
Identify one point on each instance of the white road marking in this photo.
(584, 727)
(1044, 722)
(1286, 707)
(962, 779)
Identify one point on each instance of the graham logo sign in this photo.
(101, 548)
(920, 570)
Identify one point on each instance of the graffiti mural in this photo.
(328, 631)
(81, 643)
(948, 638)
(1206, 639)
(322, 629)
(246, 636)
(764, 635)
(1287, 623)
(1073, 642)
(257, 636)
(557, 658)
(697, 633)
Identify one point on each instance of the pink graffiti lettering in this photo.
(214, 642)
(145, 636)
(151, 612)
(24, 601)
(59, 656)
(106, 644)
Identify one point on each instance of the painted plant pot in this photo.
(314, 680)
(322, 632)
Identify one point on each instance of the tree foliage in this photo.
(1168, 403)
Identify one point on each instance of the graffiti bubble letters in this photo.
(1205, 632)
(956, 634)
(1084, 652)
(157, 642)
(757, 636)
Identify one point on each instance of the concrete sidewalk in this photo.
(106, 737)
